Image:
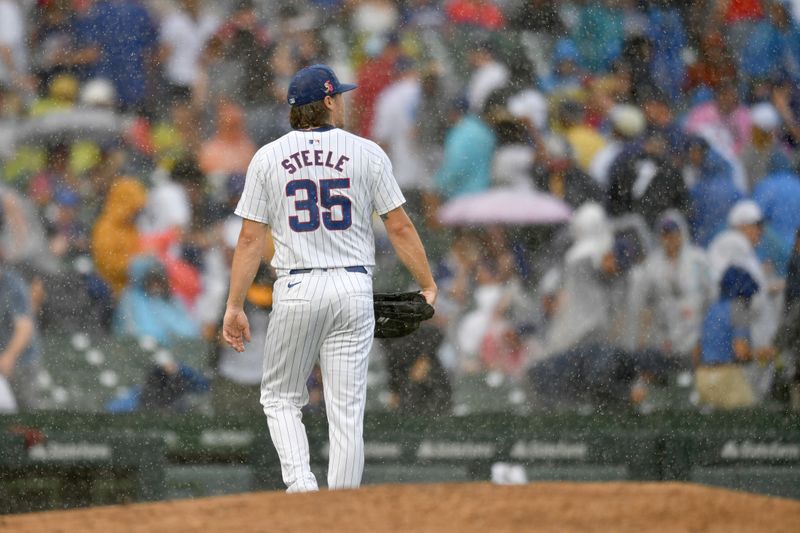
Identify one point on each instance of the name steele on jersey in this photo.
(307, 158)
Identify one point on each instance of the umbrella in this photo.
(504, 206)
(71, 125)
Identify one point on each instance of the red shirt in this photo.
(483, 14)
(739, 10)
(375, 75)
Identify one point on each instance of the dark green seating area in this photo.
(87, 372)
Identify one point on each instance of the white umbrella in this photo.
(504, 206)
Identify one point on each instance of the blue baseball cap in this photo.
(314, 83)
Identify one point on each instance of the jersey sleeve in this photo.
(253, 203)
(386, 193)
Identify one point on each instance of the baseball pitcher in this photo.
(316, 189)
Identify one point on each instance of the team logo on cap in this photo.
(328, 87)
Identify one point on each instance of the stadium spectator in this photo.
(13, 49)
(714, 67)
(735, 247)
(484, 14)
(488, 74)
(147, 307)
(725, 123)
(725, 344)
(236, 58)
(584, 140)
(765, 149)
(126, 37)
(788, 338)
(467, 159)
(183, 36)
(237, 383)
(671, 292)
(394, 128)
(778, 196)
(598, 33)
(555, 171)
(20, 352)
(59, 45)
(645, 182)
(115, 239)
(417, 381)
(229, 151)
(711, 188)
(168, 388)
(627, 123)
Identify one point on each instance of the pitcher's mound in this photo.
(461, 508)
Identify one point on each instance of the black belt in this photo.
(357, 269)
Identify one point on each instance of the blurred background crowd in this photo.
(608, 191)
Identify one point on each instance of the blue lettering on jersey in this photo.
(332, 218)
(320, 158)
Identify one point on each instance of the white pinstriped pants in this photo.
(326, 316)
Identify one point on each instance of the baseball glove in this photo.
(398, 314)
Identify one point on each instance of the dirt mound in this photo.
(556, 507)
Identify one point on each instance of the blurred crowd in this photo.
(608, 189)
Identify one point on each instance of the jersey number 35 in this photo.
(314, 199)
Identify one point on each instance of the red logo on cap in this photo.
(328, 87)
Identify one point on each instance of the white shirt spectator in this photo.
(600, 167)
(167, 207)
(393, 128)
(12, 40)
(185, 38)
(731, 248)
(485, 80)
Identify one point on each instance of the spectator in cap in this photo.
(725, 344)
(765, 149)
(671, 291)
(627, 124)
(737, 244)
(736, 247)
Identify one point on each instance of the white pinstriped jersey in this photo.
(317, 190)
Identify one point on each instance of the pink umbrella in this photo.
(504, 206)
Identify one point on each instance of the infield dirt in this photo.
(462, 508)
